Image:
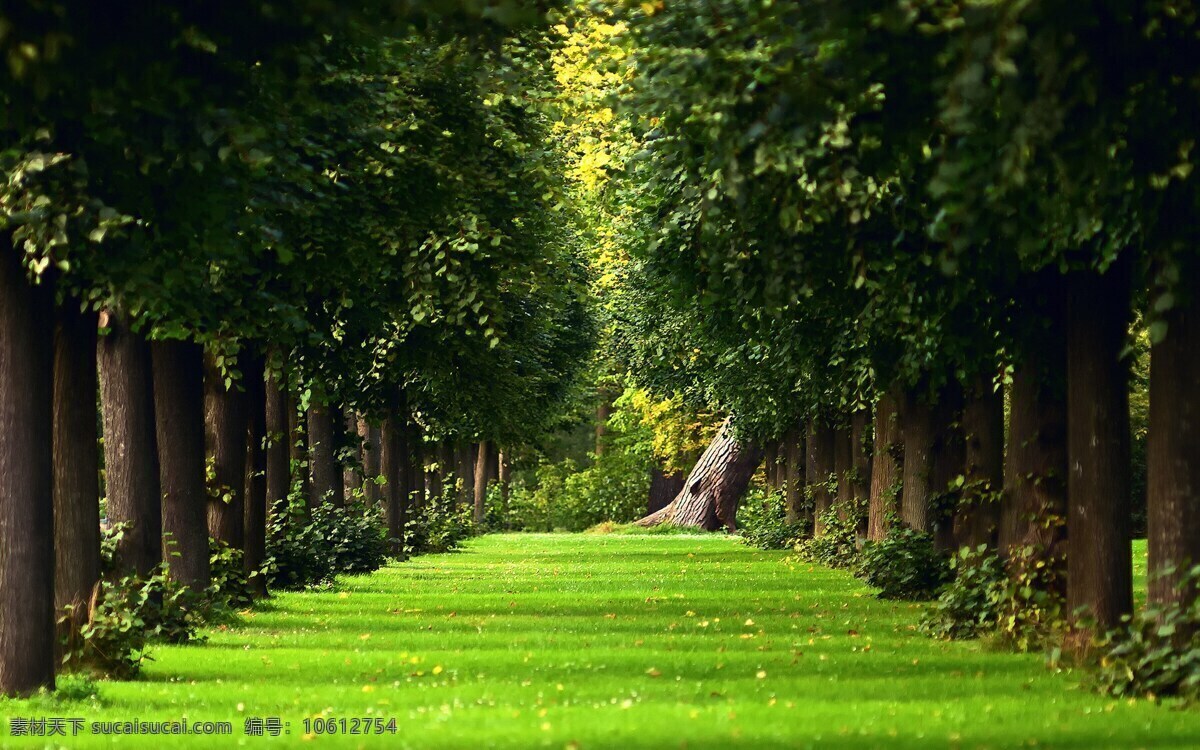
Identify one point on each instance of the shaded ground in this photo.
(613, 641)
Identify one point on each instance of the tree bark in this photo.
(1034, 507)
(860, 465)
(793, 484)
(180, 433)
(1098, 481)
(396, 468)
(26, 479)
(978, 518)
(884, 501)
(1173, 451)
(371, 437)
(770, 465)
(505, 479)
(947, 460)
(352, 476)
(448, 468)
(130, 445)
(434, 486)
(225, 442)
(715, 485)
(663, 489)
(843, 468)
(819, 467)
(416, 462)
(918, 430)
(278, 436)
(481, 477)
(325, 479)
(255, 518)
(298, 449)
(465, 457)
(76, 460)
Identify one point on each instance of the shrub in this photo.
(230, 587)
(837, 547)
(1032, 603)
(438, 526)
(1157, 652)
(762, 521)
(967, 607)
(123, 617)
(615, 488)
(310, 548)
(1020, 603)
(904, 565)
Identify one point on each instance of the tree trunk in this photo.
(978, 518)
(325, 480)
(887, 469)
(946, 462)
(493, 463)
(446, 469)
(26, 479)
(770, 464)
(793, 484)
(918, 429)
(416, 462)
(76, 460)
(843, 468)
(483, 477)
(398, 475)
(256, 475)
(715, 485)
(819, 467)
(860, 465)
(371, 436)
(1033, 510)
(278, 437)
(180, 433)
(1173, 450)
(130, 446)
(434, 486)
(663, 489)
(298, 449)
(1098, 480)
(505, 479)
(225, 441)
(352, 476)
(465, 457)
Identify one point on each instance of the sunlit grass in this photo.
(616, 641)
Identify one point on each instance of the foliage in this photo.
(110, 539)
(230, 587)
(904, 565)
(966, 607)
(125, 615)
(440, 524)
(1019, 603)
(1157, 652)
(311, 547)
(836, 546)
(762, 521)
(614, 488)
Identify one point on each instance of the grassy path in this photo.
(612, 641)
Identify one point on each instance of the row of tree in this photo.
(255, 235)
(880, 233)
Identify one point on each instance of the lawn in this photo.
(612, 641)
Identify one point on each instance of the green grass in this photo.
(616, 641)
